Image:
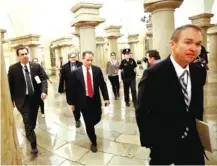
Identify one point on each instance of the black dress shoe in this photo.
(34, 151)
(93, 148)
(78, 124)
(128, 104)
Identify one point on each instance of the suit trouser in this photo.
(187, 152)
(130, 84)
(29, 112)
(77, 113)
(115, 84)
(91, 115)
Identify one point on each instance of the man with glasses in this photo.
(28, 85)
(65, 82)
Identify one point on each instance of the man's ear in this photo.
(171, 43)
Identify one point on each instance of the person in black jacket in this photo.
(128, 76)
(28, 85)
(85, 92)
(170, 99)
(65, 82)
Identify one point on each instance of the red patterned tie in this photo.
(89, 84)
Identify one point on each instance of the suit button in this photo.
(183, 137)
(187, 129)
(185, 133)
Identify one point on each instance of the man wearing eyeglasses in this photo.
(28, 85)
(65, 79)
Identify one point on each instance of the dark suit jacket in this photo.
(78, 92)
(66, 78)
(17, 83)
(160, 112)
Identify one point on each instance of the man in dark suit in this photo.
(65, 78)
(87, 80)
(170, 99)
(28, 85)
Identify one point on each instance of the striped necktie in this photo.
(184, 85)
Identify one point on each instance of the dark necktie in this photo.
(28, 81)
(89, 84)
(184, 85)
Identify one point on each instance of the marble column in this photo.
(10, 154)
(149, 35)
(34, 51)
(86, 19)
(212, 72)
(101, 59)
(112, 35)
(57, 54)
(202, 21)
(76, 33)
(163, 23)
(133, 42)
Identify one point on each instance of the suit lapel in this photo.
(176, 83)
(81, 75)
(192, 78)
(21, 72)
(94, 75)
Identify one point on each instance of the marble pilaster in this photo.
(202, 21)
(112, 35)
(162, 15)
(101, 58)
(86, 19)
(212, 72)
(10, 154)
(133, 42)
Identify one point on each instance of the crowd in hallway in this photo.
(167, 102)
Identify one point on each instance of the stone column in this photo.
(163, 23)
(34, 51)
(112, 34)
(202, 21)
(10, 154)
(100, 60)
(133, 42)
(149, 35)
(212, 72)
(86, 19)
(57, 54)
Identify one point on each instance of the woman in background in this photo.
(112, 68)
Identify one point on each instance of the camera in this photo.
(145, 59)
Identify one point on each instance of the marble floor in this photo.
(61, 143)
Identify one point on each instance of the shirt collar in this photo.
(85, 68)
(24, 64)
(179, 70)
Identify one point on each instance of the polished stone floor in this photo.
(60, 143)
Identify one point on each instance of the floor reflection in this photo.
(60, 143)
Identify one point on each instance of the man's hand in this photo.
(43, 96)
(73, 107)
(107, 102)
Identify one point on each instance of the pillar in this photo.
(57, 55)
(112, 34)
(86, 19)
(162, 13)
(149, 36)
(10, 154)
(133, 42)
(202, 21)
(212, 72)
(101, 59)
(34, 51)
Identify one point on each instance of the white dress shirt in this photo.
(85, 77)
(24, 73)
(179, 71)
